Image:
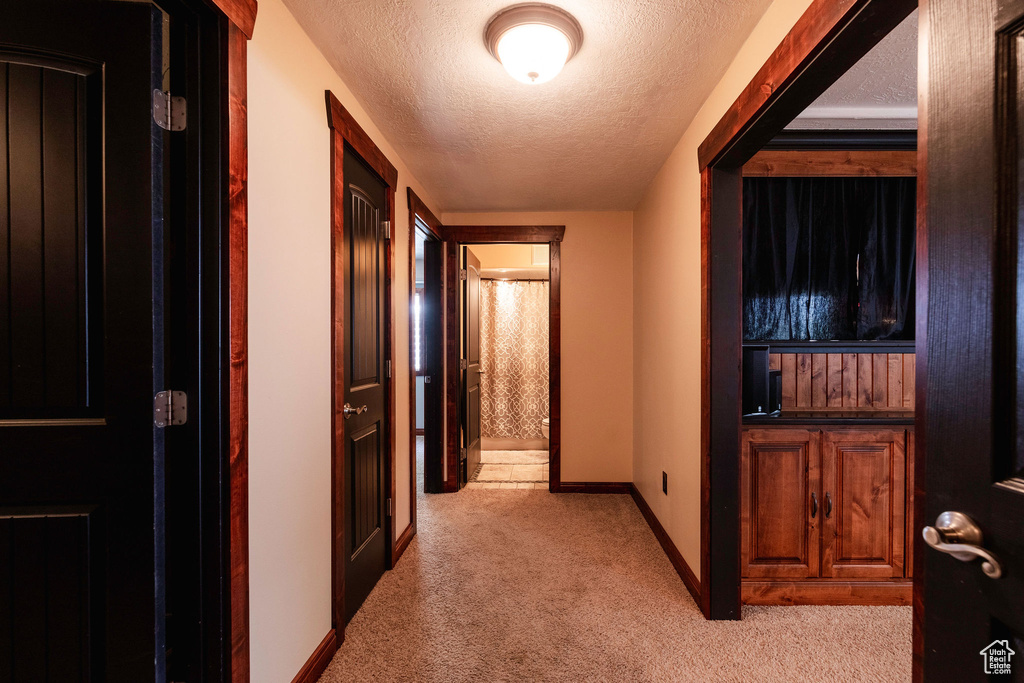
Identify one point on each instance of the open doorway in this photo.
(845, 431)
(505, 424)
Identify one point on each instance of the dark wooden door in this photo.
(432, 358)
(971, 419)
(471, 366)
(79, 158)
(780, 511)
(366, 377)
(863, 503)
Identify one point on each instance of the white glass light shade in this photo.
(533, 53)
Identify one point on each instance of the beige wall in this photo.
(597, 337)
(289, 342)
(507, 255)
(666, 253)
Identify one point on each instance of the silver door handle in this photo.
(956, 534)
(349, 411)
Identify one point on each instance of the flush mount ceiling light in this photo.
(533, 41)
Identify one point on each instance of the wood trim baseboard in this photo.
(827, 592)
(690, 579)
(318, 661)
(402, 543)
(592, 487)
(831, 163)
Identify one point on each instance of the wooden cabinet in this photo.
(825, 507)
(780, 477)
(863, 502)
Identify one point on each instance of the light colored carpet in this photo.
(533, 586)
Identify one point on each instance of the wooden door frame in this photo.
(830, 37)
(345, 132)
(552, 235)
(417, 210)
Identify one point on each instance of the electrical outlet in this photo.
(664, 483)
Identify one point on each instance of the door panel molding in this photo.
(345, 131)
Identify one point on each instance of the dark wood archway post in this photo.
(239, 20)
(830, 37)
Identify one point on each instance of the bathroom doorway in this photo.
(505, 397)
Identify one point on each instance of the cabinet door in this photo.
(779, 472)
(863, 521)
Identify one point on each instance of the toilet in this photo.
(545, 426)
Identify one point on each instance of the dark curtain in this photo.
(828, 258)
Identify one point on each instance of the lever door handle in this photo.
(956, 534)
(349, 411)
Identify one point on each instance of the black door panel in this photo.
(366, 429)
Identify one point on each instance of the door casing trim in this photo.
(829, 37)
(346, 132)
(454, 236)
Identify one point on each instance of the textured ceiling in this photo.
(593, 138)
(879, 91)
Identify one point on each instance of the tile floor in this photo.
(511, 470)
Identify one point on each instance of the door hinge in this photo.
(169, 112)
(388, 505)
(387, 368)
(463, 274)
(463, 364)
(170, 408)
(387, 229)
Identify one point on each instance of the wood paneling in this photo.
(674, 556)
(779, 474)
(827, 592)
(864, 493)
(831, 163)
(866, 381)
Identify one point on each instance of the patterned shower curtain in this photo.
(514, 358)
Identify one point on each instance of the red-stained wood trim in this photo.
(318, 661)
(555, 362)
(674, 556)
(238, 366)
(340, 121)
(241, 13)
(498, 234)
(346, 132)
(705, 392)
(827, 592)
(404, 540)
(418, 208)
(820, 48)
(831, 163)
